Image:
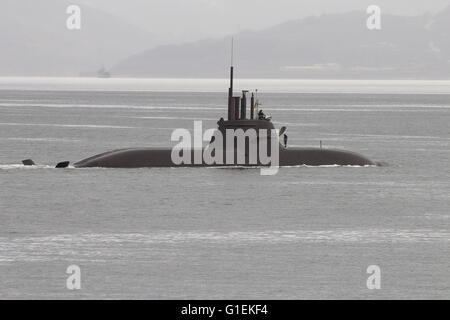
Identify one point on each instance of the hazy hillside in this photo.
(34, 39)
(336, 45)
(440, 29)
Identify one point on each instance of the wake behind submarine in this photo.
(237, 121)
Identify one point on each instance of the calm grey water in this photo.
(224, 233)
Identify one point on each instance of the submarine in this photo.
(237, 122)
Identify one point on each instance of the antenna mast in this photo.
(230, 90)
(232, 68)
(232, 50)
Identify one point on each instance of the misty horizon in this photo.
(144, 39)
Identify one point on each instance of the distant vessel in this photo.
(103, 73)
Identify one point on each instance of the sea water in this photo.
(231, 233)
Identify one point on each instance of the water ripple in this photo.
(102, 247)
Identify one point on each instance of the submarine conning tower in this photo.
(238, 118)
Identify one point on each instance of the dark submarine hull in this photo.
(237, 122)
(255, 129)
(161, 157)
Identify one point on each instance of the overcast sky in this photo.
(185, 20)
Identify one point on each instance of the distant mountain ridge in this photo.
(35, 41)
(328, 46)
